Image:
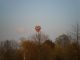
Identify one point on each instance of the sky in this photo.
(19, 17)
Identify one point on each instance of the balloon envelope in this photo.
(37, 28)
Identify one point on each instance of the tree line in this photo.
(61, 49)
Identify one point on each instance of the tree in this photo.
(49, 43)
(75, 33)
(48, 50)
(72, 51)
(63, 40)
(41, 36)
(29, 50)
(8, 50)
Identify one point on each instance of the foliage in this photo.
(48, 50)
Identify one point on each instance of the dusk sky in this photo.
(19, 17)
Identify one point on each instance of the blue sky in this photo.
(18, 17)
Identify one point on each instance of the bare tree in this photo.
(75, 33)
(8, 50)
(39, 38)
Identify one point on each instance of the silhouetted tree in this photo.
(8, 50)
(62, 40)
(29, 50)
